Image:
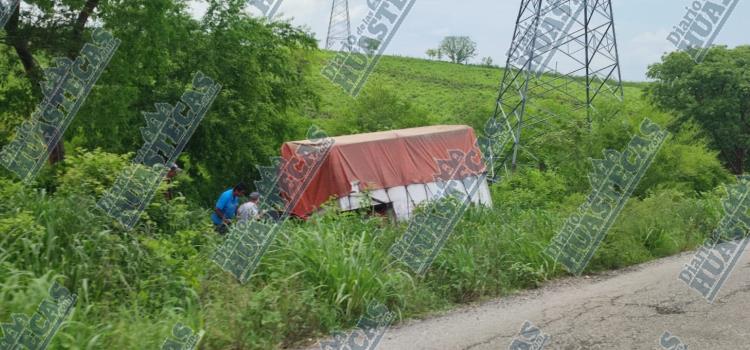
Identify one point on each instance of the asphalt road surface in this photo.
(626, 309)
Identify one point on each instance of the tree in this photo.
(432, 53)
(714, 94)
(264, 68)
(52, 28)
(487, 61)
(459, 49)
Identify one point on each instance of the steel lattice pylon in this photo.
(580, 36)
(339, 28)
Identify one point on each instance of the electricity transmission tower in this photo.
(339, 27)
(580, 36)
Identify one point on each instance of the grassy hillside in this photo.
(428, 92)
(447, 92)
(444, 89)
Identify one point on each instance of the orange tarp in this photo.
(380, 160)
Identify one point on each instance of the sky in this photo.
(642, 26)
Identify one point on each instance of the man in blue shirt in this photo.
(226, 207)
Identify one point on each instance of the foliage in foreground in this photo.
(319, 275)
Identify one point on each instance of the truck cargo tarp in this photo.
(380, 160)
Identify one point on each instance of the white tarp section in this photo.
(404, 199)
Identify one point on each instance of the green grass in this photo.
(319, 275)
(450, 93)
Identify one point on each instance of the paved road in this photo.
(628, 309)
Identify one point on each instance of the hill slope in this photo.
(448, 92)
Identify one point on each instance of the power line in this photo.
(579, 35)
(339, 27)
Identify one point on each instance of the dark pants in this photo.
(221, 228)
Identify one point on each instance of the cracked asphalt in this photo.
(625, 309)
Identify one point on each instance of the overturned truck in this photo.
(396, 169)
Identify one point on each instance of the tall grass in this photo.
(318, 276)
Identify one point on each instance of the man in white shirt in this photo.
(249, 210)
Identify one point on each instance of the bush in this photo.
(530, 188)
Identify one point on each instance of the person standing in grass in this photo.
(249, 210)
(174, 169)
(226, 207)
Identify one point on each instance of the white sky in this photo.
(642, 26)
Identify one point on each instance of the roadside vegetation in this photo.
(319, 275)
